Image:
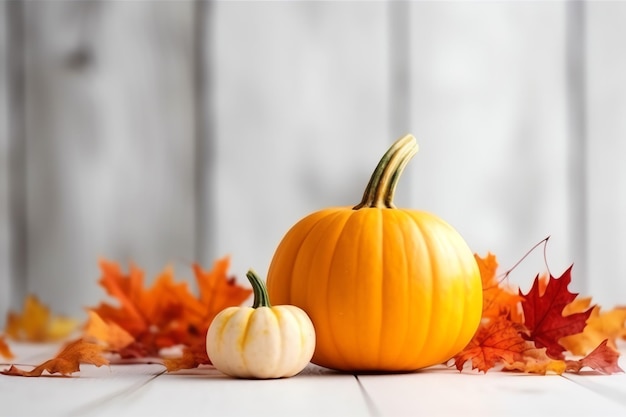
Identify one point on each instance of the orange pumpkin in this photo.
(387, 289)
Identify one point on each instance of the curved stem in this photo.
(261, 299)
(381, 187)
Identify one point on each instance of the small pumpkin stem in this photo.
(381, 187)
(261, 299)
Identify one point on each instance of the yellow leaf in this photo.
(609, 325)
(36, 324)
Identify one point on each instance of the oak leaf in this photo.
(67, 361)
(543, 314)
(37, 324)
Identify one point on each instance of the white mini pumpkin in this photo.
(262, 341)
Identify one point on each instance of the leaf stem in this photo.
(543, 242)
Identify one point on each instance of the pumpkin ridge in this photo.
(460, 333)
(426, 335)
(322, 219)
(443, 316)
(459, 300)
(363, 218)
(299, 271)
(398, 215)
(338, 351)
(244, 338)
(295, 237)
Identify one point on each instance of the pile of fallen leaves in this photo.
(547, 330)
(146, 324)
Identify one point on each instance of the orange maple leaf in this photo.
(36, 323)
(67, 361)
(166, 314)
(497, 341)
(499, 298)
(5, 350)
(218, 290)
(110, 335)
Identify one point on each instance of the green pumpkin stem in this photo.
(261, 299)
(382, 184)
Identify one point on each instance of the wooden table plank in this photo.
(446, 392)
(140, 389)
(90, 390)
(613, 388)
(314, 392)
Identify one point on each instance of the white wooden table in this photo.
(146, 390)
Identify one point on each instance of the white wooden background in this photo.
(165, 132)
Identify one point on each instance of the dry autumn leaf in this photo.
(5, 350)
(603, 359)
(543, 314)
(36, 323)
(167, 314)
(67, 361)
(601, 325)
(496, 342)
(499, 299)
(109, 335)
(552, 319)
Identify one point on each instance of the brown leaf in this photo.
(67, 361)
(535, 361)
(603, 359)
(192, 357)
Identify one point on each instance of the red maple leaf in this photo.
(543, 314)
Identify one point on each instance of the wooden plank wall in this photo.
(5, 272)
(605, 149)
(168, 132)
